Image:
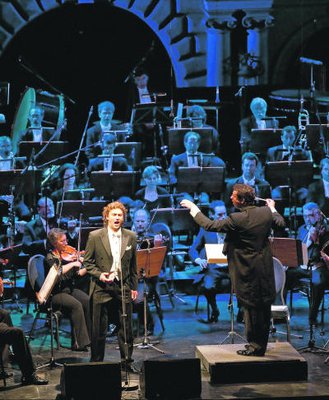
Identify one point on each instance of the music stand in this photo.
(150, 112)
(29, 179)
(291, 252)
(132, 152)
(114, 184)
(263, 139)
(200, 179)
(176, 139)
(53, 151)
(291, 174)
(149, 263)
(176, 218)
(317, 134)
(74, 208)
(8, 257)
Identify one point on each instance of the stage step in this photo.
(280, 363)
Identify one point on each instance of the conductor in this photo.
(249, 259)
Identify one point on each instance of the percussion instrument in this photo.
(52, 104)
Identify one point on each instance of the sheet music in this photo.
(215, 253)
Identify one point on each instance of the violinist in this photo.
(72, 301)
(314, 233)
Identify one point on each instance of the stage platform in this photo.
(280, 363)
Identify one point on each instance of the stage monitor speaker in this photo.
(94, 380)
(171, 378)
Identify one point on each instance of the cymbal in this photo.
(116, 121)
(294, 95)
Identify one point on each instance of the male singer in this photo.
(110, 259)
(249, 259)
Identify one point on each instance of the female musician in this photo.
(66, 297)
(68, 178)
(152, 193)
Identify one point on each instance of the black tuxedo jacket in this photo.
(98, 258)
(248, 252)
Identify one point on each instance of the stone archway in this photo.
(178, 25)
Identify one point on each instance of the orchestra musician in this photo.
(212, 277)
(15, 337)
(72, 301)
(257, 120)
(36, 132)
(249, 169)
(110, 163)
(146, 240)
(318, 191)
(315, 234)
(198, 119)
(35, 232)
(110, 259)
(105, 125)
(152, 194)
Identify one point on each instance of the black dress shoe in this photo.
(250, 352)
(214, 316)
(6, 375)
(76, 348)
(33, 379)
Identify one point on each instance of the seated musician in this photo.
(105, 125)
(13, 336)
(111, 162)
(249, 170)
(288, 150)
(35, 131)
(198, 117)
(314, 233)
(192, 157)
(258, 107)
(318, 191)
(212, 277)
(153, 195)
(35, 232)
(8, 161)
(141, 225)
(66, 297)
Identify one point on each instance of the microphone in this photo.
(310, 61)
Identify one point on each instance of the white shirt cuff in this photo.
(194, 210)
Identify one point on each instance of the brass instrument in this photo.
(303, 116)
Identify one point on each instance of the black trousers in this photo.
(10, 335)
(76, 305)
(107, 310)
(257, 325)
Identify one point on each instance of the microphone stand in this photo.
(124, 317)
(36, 74)
(140, 62)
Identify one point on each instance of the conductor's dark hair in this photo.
(245, 194)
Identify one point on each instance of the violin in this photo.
(69, 254)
